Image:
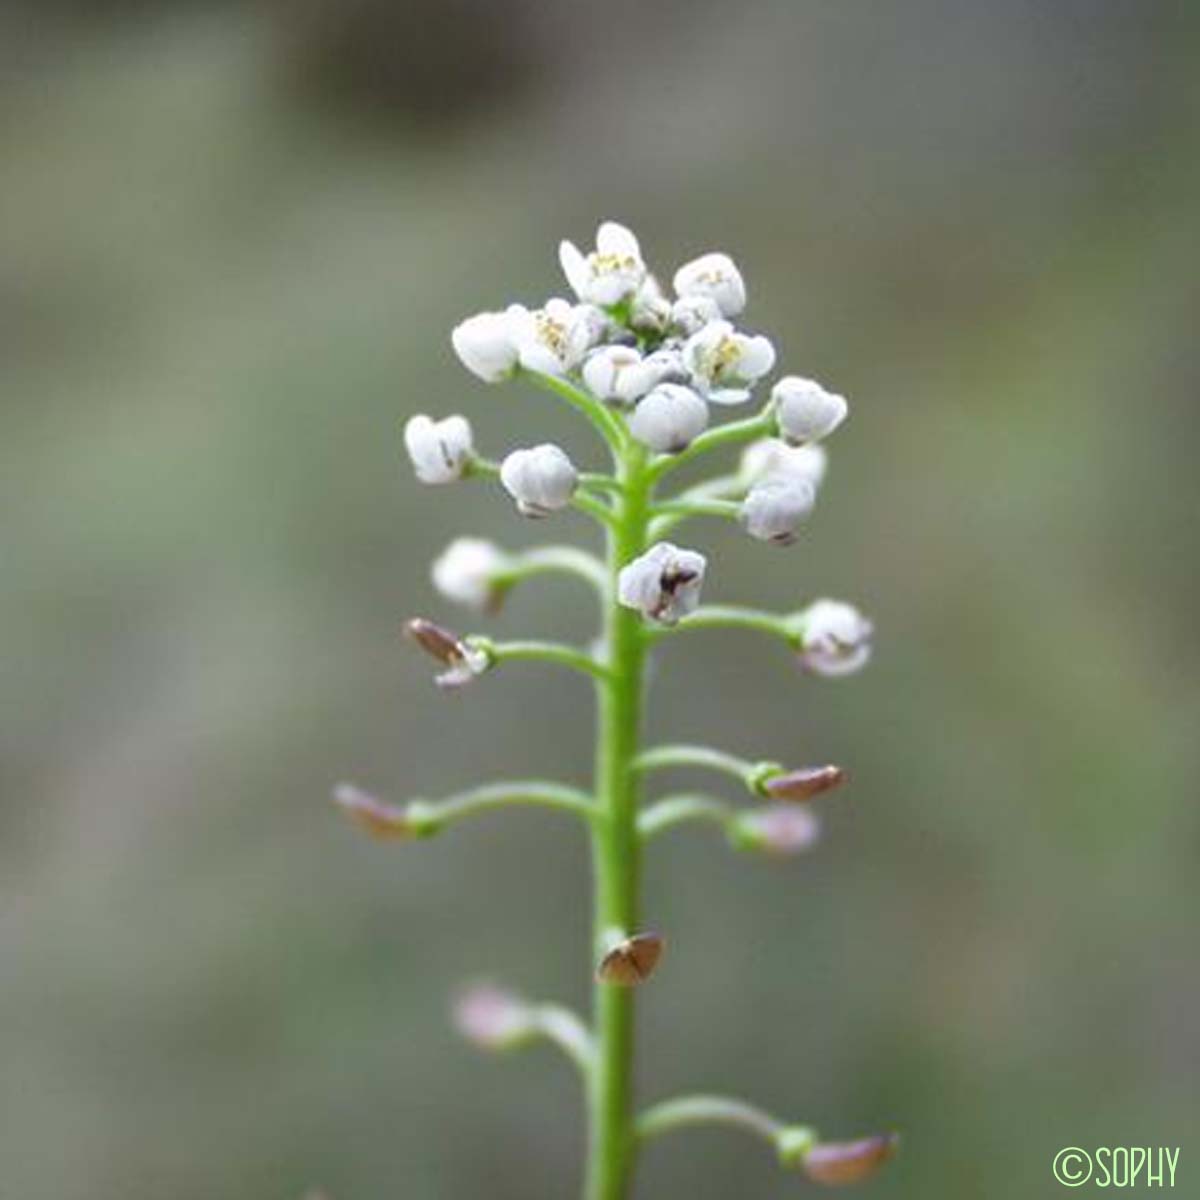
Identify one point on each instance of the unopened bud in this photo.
(802, 784)
(631, 961)
(849, 1162)
(380, 820)
(780, 830)
(491, 1018)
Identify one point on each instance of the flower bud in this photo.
(631, 961)
(849, 1162)
(486, 346)
(690, 314)
(384, 821)
(835, 638)
(805, 410)
(780, 830)
(650, 311)
(440, 450)
(716, 277)
(801, 784)
(775, 507)
(462, 660)
(664, 583)
(541, 479)
(770, 456)
(491, 1018)
(669, 418)
(467, 572)
(620, 375)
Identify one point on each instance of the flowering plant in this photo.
(648, 372)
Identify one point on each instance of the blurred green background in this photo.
(234, 238)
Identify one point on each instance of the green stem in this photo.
(616, 849)
(735, 616)
(678, 810)
(551, 652)
(431, 816)
(711, 1110)
(565, 1030)
(545, 560)
(748, 773)
(731, 433)
(608, 425)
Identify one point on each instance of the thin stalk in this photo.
(734, 616)
(709, 1110)
(544, 560)
(707, 757)
(616, 847)
(731, 433)
(431, 816)
(551, 652)
(679, 810)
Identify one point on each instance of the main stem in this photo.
(615, 849)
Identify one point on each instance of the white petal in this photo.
(613, 238)
(574, 267)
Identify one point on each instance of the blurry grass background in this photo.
(233, 238)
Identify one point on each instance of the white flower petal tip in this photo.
(776, 506)
(440, 450)
(486, 346)
(770, 456)
(541, 479)
(664, 583)
(805, 410)
(835, 638)
(468, 572)
(669, 418)
(716, 277)
(723, 363)
(610, 274)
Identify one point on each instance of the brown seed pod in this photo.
(803, 783)
(849, 1162)
(380, 820)
(437, 642)
(631, 961)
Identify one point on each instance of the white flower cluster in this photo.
(661, 364)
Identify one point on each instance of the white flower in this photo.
(541, 480)
(651, 310)
(486, 345)
(466, 572)
(669, 418)
(440, 450)
(715, 276)
(721, 362)
(806, 411)
(835, 638)
(664, 583)
(555, 338)
(690, 314)
(769, 456)
(611, 273)
(775, 506)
